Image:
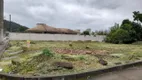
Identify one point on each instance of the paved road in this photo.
(134, 73)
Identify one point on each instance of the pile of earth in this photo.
(79, 51)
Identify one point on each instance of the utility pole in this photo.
(10, 23)
(1, 19)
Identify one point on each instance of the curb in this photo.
(72, 76)
(4, 46)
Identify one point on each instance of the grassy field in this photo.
(84, 56)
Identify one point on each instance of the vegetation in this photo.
(89, 32)
(101, 32)
(36, 61)
(137, 16)
(47, 52)
(86, 32)
(14, 27)
(127, 32)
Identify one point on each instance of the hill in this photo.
(14, 27)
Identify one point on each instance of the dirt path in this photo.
(134, 73)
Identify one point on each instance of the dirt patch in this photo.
(79, 51)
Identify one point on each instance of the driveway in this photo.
(134, 73)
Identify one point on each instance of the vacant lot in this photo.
(48, 58)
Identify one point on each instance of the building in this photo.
(43, 28)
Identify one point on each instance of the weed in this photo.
(47, 52)
(24, 48)
(33, 42)
(81, 57)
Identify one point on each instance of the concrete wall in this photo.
(1, 20)
(54, 37)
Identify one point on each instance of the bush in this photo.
(47, 52)
(33, 42)
(120, 36)
(81, 58)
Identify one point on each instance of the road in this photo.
(134, 73)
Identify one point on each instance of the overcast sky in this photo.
(73, 14)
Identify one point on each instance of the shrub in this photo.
(70, 44)
(81, 58)
(87, 47)
(33, 42)
(47, 52)
(121, 36)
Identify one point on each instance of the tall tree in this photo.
(137, 16)
(125, 21)
(140, 17)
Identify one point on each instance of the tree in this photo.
(140, 18)
(138, 29)
(22, 29)
(120, 36)
(114, 28)
(137, 16)
(92, 33)
(87, 32)
(127, 25)
(126, 21)
(101, 32)
(128, 32)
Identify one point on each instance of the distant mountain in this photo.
(14, 27)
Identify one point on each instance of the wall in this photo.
(1, 21)
(54, 37)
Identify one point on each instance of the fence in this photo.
(54, 37)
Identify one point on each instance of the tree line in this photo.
(14, 27)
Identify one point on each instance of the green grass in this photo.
(33, 61)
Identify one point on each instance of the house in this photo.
(43, 28)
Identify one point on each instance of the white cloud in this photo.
(74, 14)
